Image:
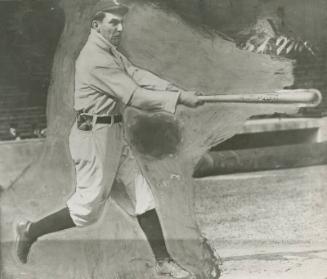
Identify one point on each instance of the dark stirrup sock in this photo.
(151, 227)
(57, 221)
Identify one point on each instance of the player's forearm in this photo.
(148, 100)
(150, 81)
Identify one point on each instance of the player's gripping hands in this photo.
(190, 99)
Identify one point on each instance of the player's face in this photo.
(111, 28)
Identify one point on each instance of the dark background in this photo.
(30, 30)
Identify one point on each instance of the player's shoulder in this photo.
(94, 57)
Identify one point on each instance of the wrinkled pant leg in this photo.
(96, 155)
(131, 189)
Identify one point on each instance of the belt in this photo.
(110, 119)
(85, 122)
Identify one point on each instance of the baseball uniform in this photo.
(105, 83)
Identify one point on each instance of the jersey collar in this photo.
(100, 41)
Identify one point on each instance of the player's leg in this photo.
(141, 197)
(150, 224)
(28, 232)
(85, 205)
(96, 163)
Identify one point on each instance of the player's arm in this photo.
(145, 99)
(147, 79)
(116, 83)
(152, 82)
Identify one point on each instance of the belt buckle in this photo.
(84, 123)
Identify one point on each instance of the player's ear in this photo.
(95, 25)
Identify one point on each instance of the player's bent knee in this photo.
(84, 212)
(85, 217)
(84, 221)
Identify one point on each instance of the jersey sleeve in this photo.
(146, 79)
(119, 85)
(113, 81)
(149, 80)
(155, 100)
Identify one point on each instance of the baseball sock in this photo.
(57, 221)
(151, 227)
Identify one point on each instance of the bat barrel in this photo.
(298, 97)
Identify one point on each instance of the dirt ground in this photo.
(268, 224)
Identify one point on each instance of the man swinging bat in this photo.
(105, 83)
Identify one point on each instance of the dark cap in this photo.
(117, 9)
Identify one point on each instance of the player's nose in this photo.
(120, 27)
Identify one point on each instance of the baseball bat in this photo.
(299, 97)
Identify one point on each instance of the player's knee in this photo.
(86, 217)
(85, 221)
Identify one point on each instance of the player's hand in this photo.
(190, 99)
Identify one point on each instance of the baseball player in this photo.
(105, 83)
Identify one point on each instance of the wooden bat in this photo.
(299, 97)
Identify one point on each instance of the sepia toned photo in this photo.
(162, 139)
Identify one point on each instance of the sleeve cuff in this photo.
(172, 99)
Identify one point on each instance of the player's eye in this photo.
(115, 22)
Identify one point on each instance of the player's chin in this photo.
(115, 40)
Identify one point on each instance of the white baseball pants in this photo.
(105, 167)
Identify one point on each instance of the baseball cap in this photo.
(114, 8)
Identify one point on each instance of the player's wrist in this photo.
(182, 97)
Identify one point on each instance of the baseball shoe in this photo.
(23, 241)
(172, 269)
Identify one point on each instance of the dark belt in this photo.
(85, 121)
(110, 119)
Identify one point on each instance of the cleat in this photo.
(23, 241)
(172, 269)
